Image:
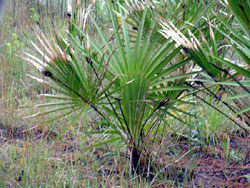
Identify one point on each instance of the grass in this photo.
(33, 153)
(35, 158)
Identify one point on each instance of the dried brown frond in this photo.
(169, 30)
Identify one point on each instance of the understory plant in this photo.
(134, 75)
(215, 47)
(131, 80)
(239, 37)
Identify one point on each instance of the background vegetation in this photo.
(131, 94)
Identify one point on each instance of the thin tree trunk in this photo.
(47, 7)
(38, 7)
(52, 9)
(14, 12)
(62, 3)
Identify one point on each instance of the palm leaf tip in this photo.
(169, 30)
(53, 54)
(136, 5)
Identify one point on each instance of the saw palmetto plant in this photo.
(209, 49)
(239, 37)
(139, 72)
(127, 80)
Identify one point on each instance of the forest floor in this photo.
(195, 166)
